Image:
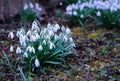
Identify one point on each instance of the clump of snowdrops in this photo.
(30, 12)
(106, 13)
(43, 46)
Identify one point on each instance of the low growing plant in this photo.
(30, 12)
(44, 46)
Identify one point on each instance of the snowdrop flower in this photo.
(44, 42)
(30, 49)
(75, 13)
(32, 38)
(18, 33)
(37, 7)
(25, 55)
(63, 28)
(33, 50)
(98, 13)
(37, 36)
(31, 5)
(65, 39)
(40, 48)
(35, 26)
(71, 39)
(22, 39)
(56, 37)
(57, 26)
(68, 31)
(69, 12)
(54, 29)
(28, 33)
(51, 45)
(25, 6)
(61, 3)
(37, 63)
(81, 16)
(49, 25)
(51, 33)
(11, 35)
(73, 45)
(18, 50)
(11, 49)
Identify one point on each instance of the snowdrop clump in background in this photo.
(42, 46)
(30, 5)
(107, 11)
(30, 12)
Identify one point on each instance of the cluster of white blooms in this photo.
(112, 5)
(39, 39)
(35, 6)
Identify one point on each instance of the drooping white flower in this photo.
(25, 55)
(61, 3)
(11, 35)
(75, 13)
(18, 33)
(71, 39)
(37, 63)
(30, 49)
(40, 48)
(18, 50)
(35, 26)
(54, 29)
(65, 38)
(37, 36)
(63, 28)
(51, 45)
(32, 38)
(44, 42)
(68, 31)
(11, 49)
(57, 26)
(49, 25)
(56, 37)
(31, 5)
(51, 33)
(81, 16)
(28, 33)
(98, 13)
(22, 39)
(25, 6)
(37, 7)
(47, 37)
(33, 50)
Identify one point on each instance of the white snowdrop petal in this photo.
(37, 63)
(18, 50)
(11, 49)
(68, 31)
(11, 35)
(40, 48)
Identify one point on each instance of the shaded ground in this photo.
(96, 57)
